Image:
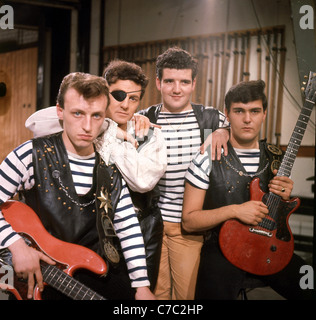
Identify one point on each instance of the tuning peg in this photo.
(306, 77)
(302, 89)
(304, 83)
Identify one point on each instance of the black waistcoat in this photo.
(64, 214)
(231, 186)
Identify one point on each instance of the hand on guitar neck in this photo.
(281, 185)
(26, 263)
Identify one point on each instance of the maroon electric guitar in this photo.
(68, 257)
(267, 248)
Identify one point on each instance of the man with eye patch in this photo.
(142, 167)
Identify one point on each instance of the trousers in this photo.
(179, 262)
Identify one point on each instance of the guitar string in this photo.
(74, 289)
(272, 204)
(54, 281)
(273, 201)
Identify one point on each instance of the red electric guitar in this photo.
(68, 257)
(267, 248)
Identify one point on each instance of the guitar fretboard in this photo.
(296, 139)
(286, 166)
(67, 285)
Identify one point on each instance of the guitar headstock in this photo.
(310, 91)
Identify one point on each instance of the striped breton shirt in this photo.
(16, 173)
(182, 136)
(199, 170)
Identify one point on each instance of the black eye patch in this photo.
(120, 95)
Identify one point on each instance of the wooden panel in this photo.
(303, 151)
(217, 73)
(18, 69)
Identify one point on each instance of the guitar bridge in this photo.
(261, 232)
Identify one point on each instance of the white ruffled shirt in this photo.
(141, 168)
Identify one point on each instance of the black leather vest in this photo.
(231, 186)
(64, 214)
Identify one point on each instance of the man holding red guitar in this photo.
(219, 191)
(78, 198)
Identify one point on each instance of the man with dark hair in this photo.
(65, 182)
(246, 92)
(176, 58)
(122, 70)
(217, 191)
(184, 125)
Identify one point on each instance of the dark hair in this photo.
(123, 70)
(88, 85)
(246, 91)
(176, 58)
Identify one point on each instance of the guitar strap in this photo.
(275, 155)
(109, 187)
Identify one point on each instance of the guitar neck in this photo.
(296, 139)
(67, 285)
